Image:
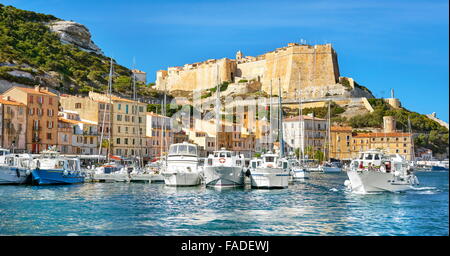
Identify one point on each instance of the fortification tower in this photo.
(394, 102)
(389, 124)
(239, 55)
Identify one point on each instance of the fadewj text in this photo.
(261, 246)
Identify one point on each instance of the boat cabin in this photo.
(225, 157)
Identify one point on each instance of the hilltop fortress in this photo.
(314, 68)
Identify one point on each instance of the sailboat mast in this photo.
(217, 108)
(413, 153)
(110, 110)
(280, 118)
(329, 130)
(270, 115)
(104, 116)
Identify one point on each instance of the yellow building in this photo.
(42, 117)
(341, 142)
(346, 144)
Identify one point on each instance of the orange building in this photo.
(42, 118)
(13, 121)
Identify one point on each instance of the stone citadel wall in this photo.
(290, 67)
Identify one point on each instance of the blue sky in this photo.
(381, 44)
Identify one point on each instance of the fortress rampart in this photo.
(290, 66)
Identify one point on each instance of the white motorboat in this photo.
(330, 167)
(182, 166)
(374, 171)
(224, 168)
(269, 172)
(298, 172)
(15, 168)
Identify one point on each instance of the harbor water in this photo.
(320, 205)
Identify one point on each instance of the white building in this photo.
(158, 134)
(303, 132)
(141, 76)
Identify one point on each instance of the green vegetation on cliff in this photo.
(26, 40)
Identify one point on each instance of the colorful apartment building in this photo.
(42, 116)
(13, 122)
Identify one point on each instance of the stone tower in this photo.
(239, 55)
(389, 124)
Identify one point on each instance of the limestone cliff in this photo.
(74, 33)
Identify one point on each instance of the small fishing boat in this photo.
(298, 172)
(16, 169)
(331, 167)
(270, 171)
(51, 168)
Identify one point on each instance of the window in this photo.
(118, 140)
(49, 112)
(126, 108)
(119, 106)
(78, 105)
(141, 109)
(40, 100)
(49, 136)
(119, 117)
(30, 99)
(126, 141)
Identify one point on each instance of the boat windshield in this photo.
(186, 149)
(369, 157)
(173, 150)
(269, 159)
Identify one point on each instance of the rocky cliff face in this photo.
(74, 33)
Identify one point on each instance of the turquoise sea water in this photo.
(318, 206)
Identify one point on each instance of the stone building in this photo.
(13, 123)
(42, 116)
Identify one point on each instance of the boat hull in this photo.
(181, 178)
(224, 176)
(13, 175)
(300, 174)
(373, 181)
(329, 169)
(55, 176)
(269, 178)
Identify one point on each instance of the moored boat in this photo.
(224, 168)
(182, 166)
(51, 168)
(270, 171)
(16, 169)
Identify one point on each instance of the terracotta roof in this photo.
(137, 71)
(10, 102)
(341, 128)
(382, 134)
(70, 121)
(296, 118)
(33, 91)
